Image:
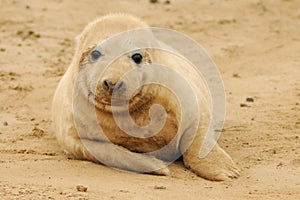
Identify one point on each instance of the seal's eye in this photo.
(137, 58)
(95, 55)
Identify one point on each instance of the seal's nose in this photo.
(110, 86)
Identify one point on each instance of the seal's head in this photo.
(103, 64)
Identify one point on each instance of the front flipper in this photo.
(121, 158)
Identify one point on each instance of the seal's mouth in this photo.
(119, 104)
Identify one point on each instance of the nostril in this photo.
(106, 84)
(119, 85)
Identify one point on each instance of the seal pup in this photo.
(131, 153)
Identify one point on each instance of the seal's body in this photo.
(77, 130)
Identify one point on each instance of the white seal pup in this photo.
(95, 92)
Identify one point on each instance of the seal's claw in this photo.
(162, 172)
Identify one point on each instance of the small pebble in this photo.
(160, 187)
(5, 123)
(81, 188)
(124, 191)
(243, 105)
(153, 1)
(236, 75)
(259, 159)
(249, 99)
(280, 164)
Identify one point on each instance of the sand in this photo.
(256, 46)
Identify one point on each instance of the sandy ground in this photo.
(255, 44)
